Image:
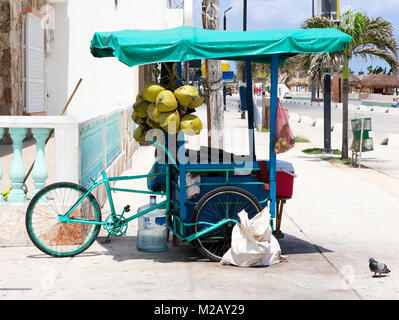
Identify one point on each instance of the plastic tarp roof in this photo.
(134, 47)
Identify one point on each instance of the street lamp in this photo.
(224, 28)
(224, 18)
(244, 27)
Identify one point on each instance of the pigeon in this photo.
(378, 267)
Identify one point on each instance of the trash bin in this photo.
(366, 139)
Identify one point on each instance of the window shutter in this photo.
(35, 73)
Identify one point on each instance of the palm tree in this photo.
(316, 66)
(371, 37)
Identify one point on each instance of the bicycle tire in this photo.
(215, 244)
(60, 239)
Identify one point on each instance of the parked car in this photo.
(287, 95)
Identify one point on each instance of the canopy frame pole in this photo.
(273, 114)
(250, 109)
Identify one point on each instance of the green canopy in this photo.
(134, 47)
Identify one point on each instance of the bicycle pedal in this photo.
(107, 240)
(127, 208)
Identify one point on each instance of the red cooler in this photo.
(285, 175)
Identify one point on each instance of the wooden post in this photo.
(211, 20)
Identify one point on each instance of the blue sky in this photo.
(289, 14)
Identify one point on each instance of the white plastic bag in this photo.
(252, 242)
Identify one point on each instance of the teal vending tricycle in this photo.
(64, 219)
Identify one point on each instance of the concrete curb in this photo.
(319, 123)
(393, 140)
(337, 126)
(307, 120)
(293, 101)
(294, 117)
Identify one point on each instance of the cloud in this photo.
(290, 14)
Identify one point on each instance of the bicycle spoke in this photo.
(60, 238)
(215, 207)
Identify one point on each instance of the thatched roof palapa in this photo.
(298, 82)
(380, 81)
(353, 81)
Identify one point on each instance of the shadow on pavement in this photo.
(293, 245)
(125, 249)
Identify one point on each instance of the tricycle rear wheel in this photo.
(218, 204)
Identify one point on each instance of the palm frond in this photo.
(367, 52)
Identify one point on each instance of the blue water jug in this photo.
(152, 231)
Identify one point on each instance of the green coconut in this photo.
(151, 91)
(182, 110)
(197, 101)
(140, 132)
(166, 101)
(137, 119)
(170, 121)
(152, 124)
(139, 97)
(153, 112)
(187, 95)
(191, 125)
(141, 108)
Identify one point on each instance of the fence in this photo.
(82, 148)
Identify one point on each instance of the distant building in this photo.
(45, 50)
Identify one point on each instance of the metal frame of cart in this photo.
(187, 218)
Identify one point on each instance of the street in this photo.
(332, 227)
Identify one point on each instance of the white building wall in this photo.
(107, 83)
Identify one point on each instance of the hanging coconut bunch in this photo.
(168, 107)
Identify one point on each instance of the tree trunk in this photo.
(215, 78)
(345, 89)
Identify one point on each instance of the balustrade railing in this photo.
(82, 148)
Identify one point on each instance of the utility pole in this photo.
(313, 91)
(244, 28)
(224, 28)
(327, 113)
(312, 8)
(326, 11)
(211, 20)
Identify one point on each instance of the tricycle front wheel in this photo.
(219, 204)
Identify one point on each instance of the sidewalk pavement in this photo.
(384, 158)
(337, 219)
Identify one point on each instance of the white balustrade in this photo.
(69, 152)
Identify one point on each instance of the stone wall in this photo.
(5, 58)
(11, 92)
(11, 19)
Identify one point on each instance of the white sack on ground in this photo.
(252, 242)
